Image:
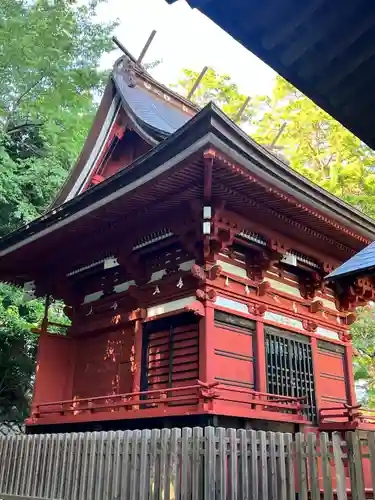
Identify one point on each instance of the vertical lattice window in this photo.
(290, 367)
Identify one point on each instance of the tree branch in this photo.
(27, 91)
(24, 125)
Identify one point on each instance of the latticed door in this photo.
(290, 367)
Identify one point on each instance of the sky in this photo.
(185, 38)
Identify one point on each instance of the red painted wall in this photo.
(331, 373)
(54, 369)
(233, 358)
(103, 363)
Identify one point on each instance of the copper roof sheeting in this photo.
(324, 47)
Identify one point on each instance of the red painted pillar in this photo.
(317, 378)
(348, 360)
(260, 359)
(138, 334)
(206, 345)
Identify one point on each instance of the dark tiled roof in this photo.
(150, 111)
(360, 264)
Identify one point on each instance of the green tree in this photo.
(317, 146)
(363, 332)
(217, 88)
(49, 79)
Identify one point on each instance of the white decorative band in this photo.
(167, 307)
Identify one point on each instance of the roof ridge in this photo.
(129, 65)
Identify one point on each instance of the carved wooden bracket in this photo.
(310, 283)
(134, 267)
(356, 294)
(263, 288)
(349, 319)
(345, 337)
(204, 295)
(206, 274)
(195, 307)
(224, 227)
(316, 306)
(310, 326)
(138, 314)
(259, 262)
(257, 309)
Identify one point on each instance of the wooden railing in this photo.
(346, 417)
(199, 393)
(130, 401)
(262, 400)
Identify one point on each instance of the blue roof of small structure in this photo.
(362, 263)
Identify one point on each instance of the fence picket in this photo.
(134, 481)
(4, 462)
(154, 465)
(263, 470)
(174, 464)
(164, 477)
(85, 464)
(281, 466)
(291, 486)
(209, 464)
(254, 482)
(232, 465)
(30, 467)
(326, 467)
(272, 465)
(196, 472)
(125, 469)
(313, 467)
(244, 466)
(77, 466)
(355, 466)
(339, 467)
(91, 476)
(185, 465)
(221, 465)
(108, 458)
(144, 465)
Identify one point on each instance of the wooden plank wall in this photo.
(234, 354)
(103, 363)
(331, 372)
(189, 463)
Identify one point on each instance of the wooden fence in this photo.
(187, 464)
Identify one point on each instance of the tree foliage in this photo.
(363, 332)
(49, 78)
(219, 89)
(317, 146)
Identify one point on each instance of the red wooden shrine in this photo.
(192, 263)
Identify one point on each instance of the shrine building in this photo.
(193, 265)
